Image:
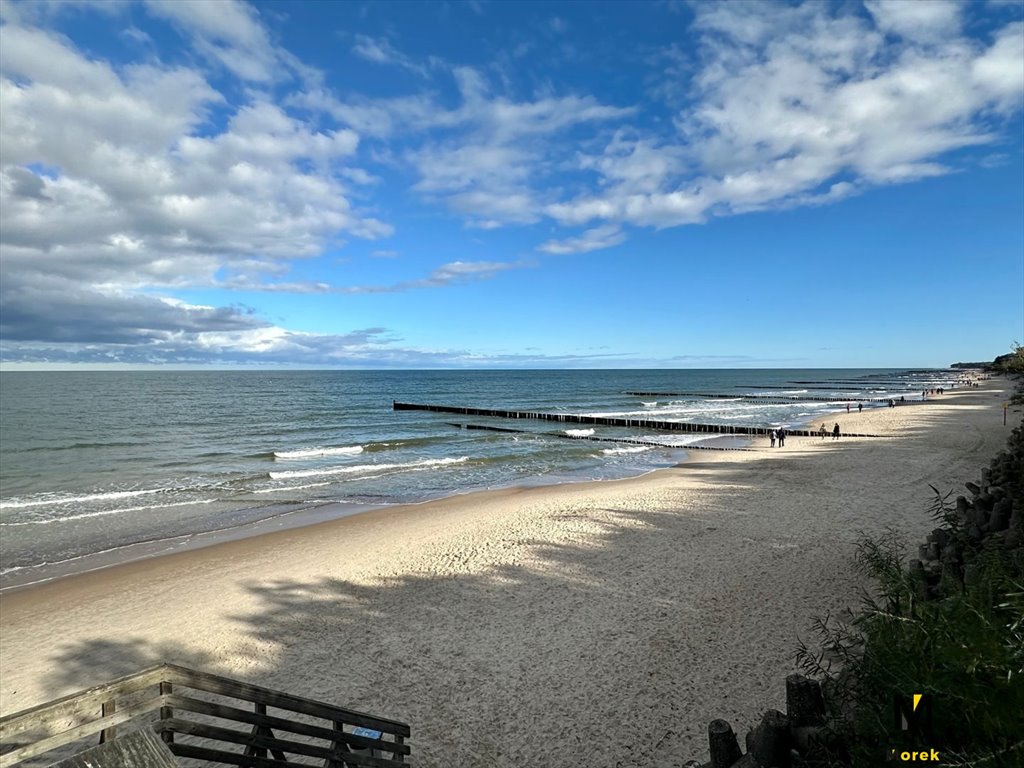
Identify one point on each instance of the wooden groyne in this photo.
(608, 421)
(594, 438)
(905, 389)
(769, 399)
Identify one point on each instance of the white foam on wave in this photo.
(413, 465)
(629, 449)
(312, 453)
(291, 488)
(649, 405)
(20, 504)
(579, 432)
(105, 512)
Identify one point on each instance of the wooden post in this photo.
(804, 703)
(396, 755)
(723, 745)
(339, 745)
(166, 713)
(108, 708)
(769, 742)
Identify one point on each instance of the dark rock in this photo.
(723, 745)
(808, 738)
(973, 488)
(999, 520)
(804, 703)
(919, 579)
(769, 741)
(976, 516)
(970, 574)
(985, 502)
(963, 506)
(749, 761)
(940, 536)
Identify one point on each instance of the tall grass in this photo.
(964, 649)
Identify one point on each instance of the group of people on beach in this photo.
(778, 434)
(835, 431)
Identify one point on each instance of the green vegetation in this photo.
(965, 651)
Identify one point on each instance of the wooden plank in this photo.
(200, 707)
(166, 712)
(79, 732)
(138, 749)
(45, 716)
(203, 681)
(108, 734)
(234, 758)
(259, 740)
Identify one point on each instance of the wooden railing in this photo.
(198, 716)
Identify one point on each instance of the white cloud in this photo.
(128, 156)
(800, 105)
(605, 236)
(226, 31)
(923, 20)
(380, 51)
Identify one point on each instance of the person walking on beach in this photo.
(860, 407)
(771, 436)
(847, 407)
(782, 436)
(835, 431)
(823, 430)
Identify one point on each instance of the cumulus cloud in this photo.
(805, 105)
(118, 176)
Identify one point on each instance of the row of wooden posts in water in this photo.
(610, 421)
(769, 399)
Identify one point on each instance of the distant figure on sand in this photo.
(860, 407)
(835, 431)
(782, 437)
(771, 436)
(847, 407)
(823, 430)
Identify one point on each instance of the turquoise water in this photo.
(95, 462)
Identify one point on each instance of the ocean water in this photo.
(97, 467)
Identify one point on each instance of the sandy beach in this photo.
(597, 624)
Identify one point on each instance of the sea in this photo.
(99, 467)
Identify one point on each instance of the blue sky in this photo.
(503, 184)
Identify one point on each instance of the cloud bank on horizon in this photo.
(179, 177)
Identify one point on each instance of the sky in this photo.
(510, 184)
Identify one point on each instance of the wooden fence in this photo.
(172, 696)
